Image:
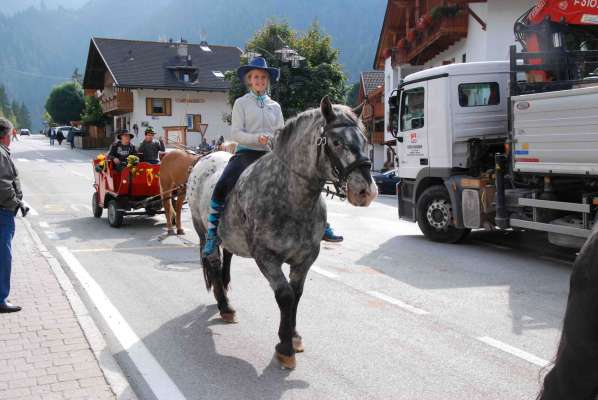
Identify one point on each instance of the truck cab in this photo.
(447, 119)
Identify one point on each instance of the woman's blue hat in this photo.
(258, 63)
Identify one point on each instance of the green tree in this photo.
(299, 88)
(352, 94)
(24, 117)
(92, 113)
(65, 102)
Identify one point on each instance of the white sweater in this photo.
(249, 121)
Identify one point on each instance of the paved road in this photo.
(385, 315)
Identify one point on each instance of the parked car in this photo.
(386, 181)
(25, 132)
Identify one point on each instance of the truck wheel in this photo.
(115, 217)
(435, 216)
(95, 207)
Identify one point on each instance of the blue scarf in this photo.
(260, 98)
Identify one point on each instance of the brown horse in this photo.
(174, 171)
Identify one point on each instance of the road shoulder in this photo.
(52, 347)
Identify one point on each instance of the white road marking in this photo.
(86, 206)
(156, 378)
(398, 303)
(125, 249)
(80, 174)
(75, 207)
(40, 160)
(51, 235)
(321, 271)
(524, 355)
(44, 224)
(22, 160)
(59, 161)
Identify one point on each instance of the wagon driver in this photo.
(120, 150)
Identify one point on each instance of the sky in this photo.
(11, 6)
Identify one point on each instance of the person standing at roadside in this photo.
(14, 135)
(10, 203)
(52, 134)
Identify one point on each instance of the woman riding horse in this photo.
(255, 119)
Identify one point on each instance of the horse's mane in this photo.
(313, 116)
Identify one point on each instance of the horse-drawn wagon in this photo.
(135, 190)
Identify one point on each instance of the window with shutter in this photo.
(158, 106)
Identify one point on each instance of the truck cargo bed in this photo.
(556, 132)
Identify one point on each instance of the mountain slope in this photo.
(42, 47)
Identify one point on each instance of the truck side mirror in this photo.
(393, 113)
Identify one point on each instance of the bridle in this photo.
(339, 171)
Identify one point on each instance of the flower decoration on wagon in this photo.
(132, 162)
(101, 162)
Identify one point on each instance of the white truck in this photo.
(473, 153)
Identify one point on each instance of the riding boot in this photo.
(329, 235)
(216, 209)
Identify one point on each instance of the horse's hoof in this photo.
(171, 232)
(180, 231)
(286, 362)
(298, 345)
(229, 317)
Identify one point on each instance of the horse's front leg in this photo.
(285, 297)
(297, 276)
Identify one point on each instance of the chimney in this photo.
(182, 50)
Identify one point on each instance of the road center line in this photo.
(22, 160)
(44, 224)
(156, 378)
(321, 271)
(51, 235)
(524, 355)
(398, 303)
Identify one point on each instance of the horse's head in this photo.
(346, 157)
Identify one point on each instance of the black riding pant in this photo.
(235, 167)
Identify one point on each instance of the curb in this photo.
(114, 375)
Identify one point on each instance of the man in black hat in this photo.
(150, 148)
(120, 150)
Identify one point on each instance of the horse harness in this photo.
(340, 172)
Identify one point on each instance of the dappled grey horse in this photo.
(276, 214)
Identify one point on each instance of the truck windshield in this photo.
(412, 109)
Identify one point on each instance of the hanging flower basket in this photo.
(445, 11)
(423, 23)
(402, 44)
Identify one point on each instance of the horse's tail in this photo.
(216, 273)
(227, 256)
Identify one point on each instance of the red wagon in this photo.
(133, 191)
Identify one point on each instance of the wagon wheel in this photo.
(115, 216)
(95, 207)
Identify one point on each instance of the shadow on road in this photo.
(186, 348)
(537, 287)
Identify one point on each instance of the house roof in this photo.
(145, 64)
(371, 80)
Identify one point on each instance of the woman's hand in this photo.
(263, 139)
